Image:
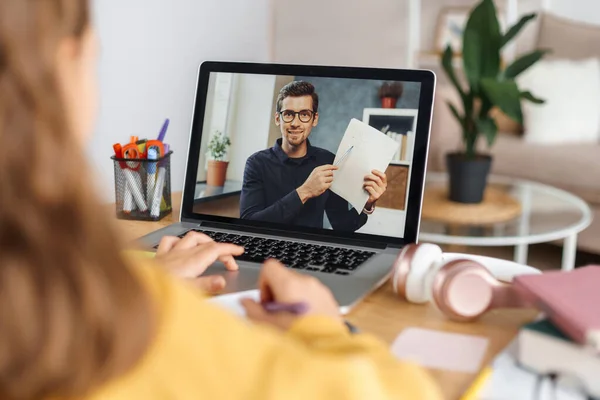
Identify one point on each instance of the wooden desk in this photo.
(385, 316)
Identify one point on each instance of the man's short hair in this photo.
(298, 89)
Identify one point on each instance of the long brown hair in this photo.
(72, 313)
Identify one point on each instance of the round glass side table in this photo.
(547, 214)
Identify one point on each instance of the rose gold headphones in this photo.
(462, 286)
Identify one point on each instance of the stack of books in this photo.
(560, 352)
(545, 349)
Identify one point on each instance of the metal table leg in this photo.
(569, 253)
(521, 251)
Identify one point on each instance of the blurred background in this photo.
(151, 49)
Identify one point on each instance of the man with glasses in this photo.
(289, 182)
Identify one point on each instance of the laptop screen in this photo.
(269, 148)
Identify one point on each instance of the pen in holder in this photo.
(143, 186)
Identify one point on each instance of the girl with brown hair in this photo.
(79, 320)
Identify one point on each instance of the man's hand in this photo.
(319, 180)
(375, 185)
(189, 257)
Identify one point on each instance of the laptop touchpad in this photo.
(245, 278)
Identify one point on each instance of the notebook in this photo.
(505, 379)
(544, 349)
(569, 299)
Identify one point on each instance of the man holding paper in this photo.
(289, 183)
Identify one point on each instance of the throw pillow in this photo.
(568, 39)
(571, 113)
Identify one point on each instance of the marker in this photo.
(163, 203)
(135, 185)
(158, 192)
(151, 178)
(128, 204)
(343, 157)
(141, 144)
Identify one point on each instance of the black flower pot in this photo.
(468, 177)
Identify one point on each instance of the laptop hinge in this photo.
(297, 235)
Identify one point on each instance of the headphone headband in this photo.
(503, 270)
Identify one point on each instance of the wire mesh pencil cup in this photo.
(143, 188)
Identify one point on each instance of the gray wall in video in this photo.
(340, 100)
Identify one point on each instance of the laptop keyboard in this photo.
(304, 256)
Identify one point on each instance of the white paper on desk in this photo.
(509, 381)
(231, 301)
(372, 150)
(440, 350)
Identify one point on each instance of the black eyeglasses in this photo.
(303, 115)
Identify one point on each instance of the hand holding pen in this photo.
(286, 294)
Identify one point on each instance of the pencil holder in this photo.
(143, 187)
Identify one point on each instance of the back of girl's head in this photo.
(72, 315)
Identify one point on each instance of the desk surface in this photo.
(385, 316)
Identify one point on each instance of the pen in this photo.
(298, 309)
(343, 157)
(163, 131)
(294, 308)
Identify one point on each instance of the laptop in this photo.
(282, 122)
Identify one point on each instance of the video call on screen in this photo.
(245, 172)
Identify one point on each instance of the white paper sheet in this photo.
(372, 150)
(441, 350)
(509, 381)
(231, 301)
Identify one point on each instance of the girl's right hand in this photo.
(283, 285)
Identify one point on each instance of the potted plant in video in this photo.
(389, 93)
(217, 159)
(487, 86)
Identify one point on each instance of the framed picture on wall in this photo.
(451, 25)
(399, 124)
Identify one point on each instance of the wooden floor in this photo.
(543, 256)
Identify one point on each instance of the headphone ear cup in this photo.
(463, 290)
(425, 259)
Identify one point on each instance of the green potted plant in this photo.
(217, 159)
(489, 85)
(389, 93)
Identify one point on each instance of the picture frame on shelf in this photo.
(399, 124)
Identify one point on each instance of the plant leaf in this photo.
(449, 69)
(524, 62)
(460, 119)
(505, 95)
(530, 97)
(515, 29)
(481, 44)
(488, 127)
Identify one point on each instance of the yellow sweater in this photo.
(203, 352)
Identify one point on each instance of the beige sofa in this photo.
(572, 167)
(575, 168)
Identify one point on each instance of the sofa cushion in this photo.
(572, 167)
(571, 112)
(568, 38)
